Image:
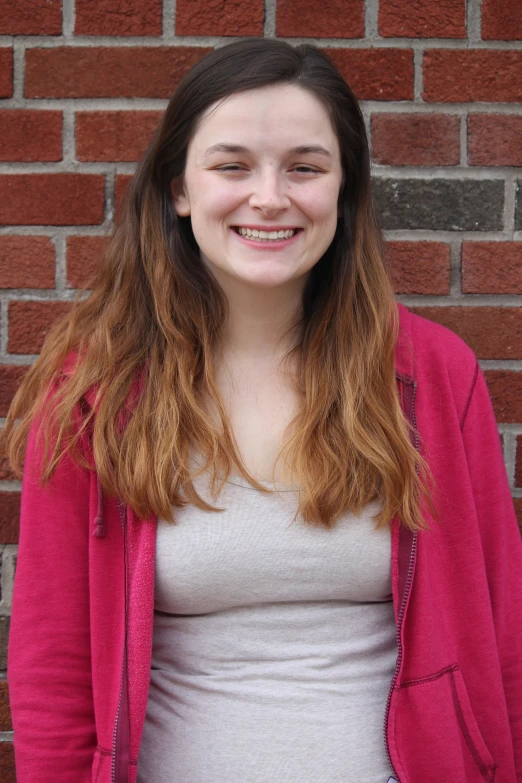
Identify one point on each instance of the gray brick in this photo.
(439, 204)
(518, 209)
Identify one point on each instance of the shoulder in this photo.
(432, 354)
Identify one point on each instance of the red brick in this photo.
(517, 502)
(52, 199)
(329, 19)
(454, 75)
(505, 389)
(6, 72)
(114, 135)
(495, 140)
(219, 17)
(9, 517)
(376, 74)
(5, 714)
(492, 332)
(104, 72)
(419, 267)
(29, 323)
(492, 267)
(6, 474)
(501, 20)
(10, 377)
(415, 139)
(7, 763)
(118, 17)
(30, 17)
(83, 255)
(120, 191)
(26, 262)
(518, 465)
(5, 623)
(422, 19)
(29, 135)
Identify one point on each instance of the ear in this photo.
(180, 199)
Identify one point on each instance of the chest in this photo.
(260, 405)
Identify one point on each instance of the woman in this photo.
(265, 513)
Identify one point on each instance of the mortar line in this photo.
(269, 21)
(168, 20)
(115, 42)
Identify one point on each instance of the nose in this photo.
(269, 193)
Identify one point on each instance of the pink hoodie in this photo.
(81, 632)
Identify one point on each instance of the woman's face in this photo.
(262, 160)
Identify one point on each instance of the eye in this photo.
(229, 167)
(306, 170)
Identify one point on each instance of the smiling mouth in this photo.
(266, 236)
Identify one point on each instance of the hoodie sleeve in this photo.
(502, 547)
(49, 662)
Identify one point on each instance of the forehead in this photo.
(275, 117)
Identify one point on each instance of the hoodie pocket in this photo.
(436, 734)
(469, 728)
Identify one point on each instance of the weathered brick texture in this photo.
(376, 74)
(495, 140)
(114, 135)
(7, 763)
(29, 322)
(416, 139)
(4, 637)
(440, 204)
(10, 377)
(30, 135)
(105, 72)
(492, 267)
(422, 18)
(9, 517)
(219, 17)
(30, 17)
(505, 389)
(6, 72)
(5, 715)
(454, 75)
(26, 262)
(6, 474)
(419, 267)
(329, 19)
(501, 20)
(52, 199)
(118, 17)
(83, 254)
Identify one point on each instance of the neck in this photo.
(259, 319)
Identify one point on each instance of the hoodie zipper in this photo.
(114, 765)
(404, 601)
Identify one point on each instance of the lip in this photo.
(261, 227)
(278, 244)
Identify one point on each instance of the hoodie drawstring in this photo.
(99, 520)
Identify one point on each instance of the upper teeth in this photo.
(253, 232)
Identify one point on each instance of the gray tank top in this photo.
(273, 648)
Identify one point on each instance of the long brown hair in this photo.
(148, 328)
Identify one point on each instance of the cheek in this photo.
(219, 197)
(321, 206)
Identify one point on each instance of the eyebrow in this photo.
(303, 149)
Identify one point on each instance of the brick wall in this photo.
(83, 84)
